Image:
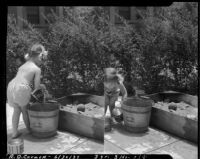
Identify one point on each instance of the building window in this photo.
(12, 11)
(33, 15)
(48, 13)
(124, 12)
(139, 12)
(39, 15)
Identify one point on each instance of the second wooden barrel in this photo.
(136, 114)
(43, 119)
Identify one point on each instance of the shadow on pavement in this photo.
(27, 136)
(96, 141)
(119, 127)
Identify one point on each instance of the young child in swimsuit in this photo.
(26, 80)
(113, 85)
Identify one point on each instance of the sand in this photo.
(91, 110)
(182, 109)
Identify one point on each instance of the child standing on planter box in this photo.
(113, 85)
(26, 80)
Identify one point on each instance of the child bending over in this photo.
(26, 80)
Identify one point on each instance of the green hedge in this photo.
(18, 44)
(170, 41)
(160, 56)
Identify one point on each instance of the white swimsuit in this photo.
(111, 89)
(18, 93)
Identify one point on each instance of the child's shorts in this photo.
(18, 94)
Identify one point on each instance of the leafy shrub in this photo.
(82, 44)
(170, 49)
(160, 55)
(18, 44)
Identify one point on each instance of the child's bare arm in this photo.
(123, 90)
(37, 79)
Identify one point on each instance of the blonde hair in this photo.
(116, 75)
(35, 50)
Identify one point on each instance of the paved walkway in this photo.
(118, 141)
(152, 142)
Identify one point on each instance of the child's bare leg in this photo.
(112, 106)
(113, 99)
(106, 103)
(15, 121)
(25, 117)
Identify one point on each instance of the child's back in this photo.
(26, 73)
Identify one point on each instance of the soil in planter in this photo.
(89, 109)
(180, 108)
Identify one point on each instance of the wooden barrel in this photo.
(43, 119)
(136, 114)
(15, 146)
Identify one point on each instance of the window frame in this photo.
(117, 10)
(45, 12)
(114, 10)
(42, 23)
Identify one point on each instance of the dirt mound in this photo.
(180, 108)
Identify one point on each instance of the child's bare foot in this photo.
(113, 121)
(16, 135)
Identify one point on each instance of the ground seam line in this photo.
(76, 145)
(162, 146)
(117, 146)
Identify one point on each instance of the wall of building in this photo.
(35, 14)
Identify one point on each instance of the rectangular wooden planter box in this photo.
(80, 124)
(93, 127)
(175, 124)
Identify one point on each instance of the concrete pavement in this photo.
(152, 142)
(118, 141)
